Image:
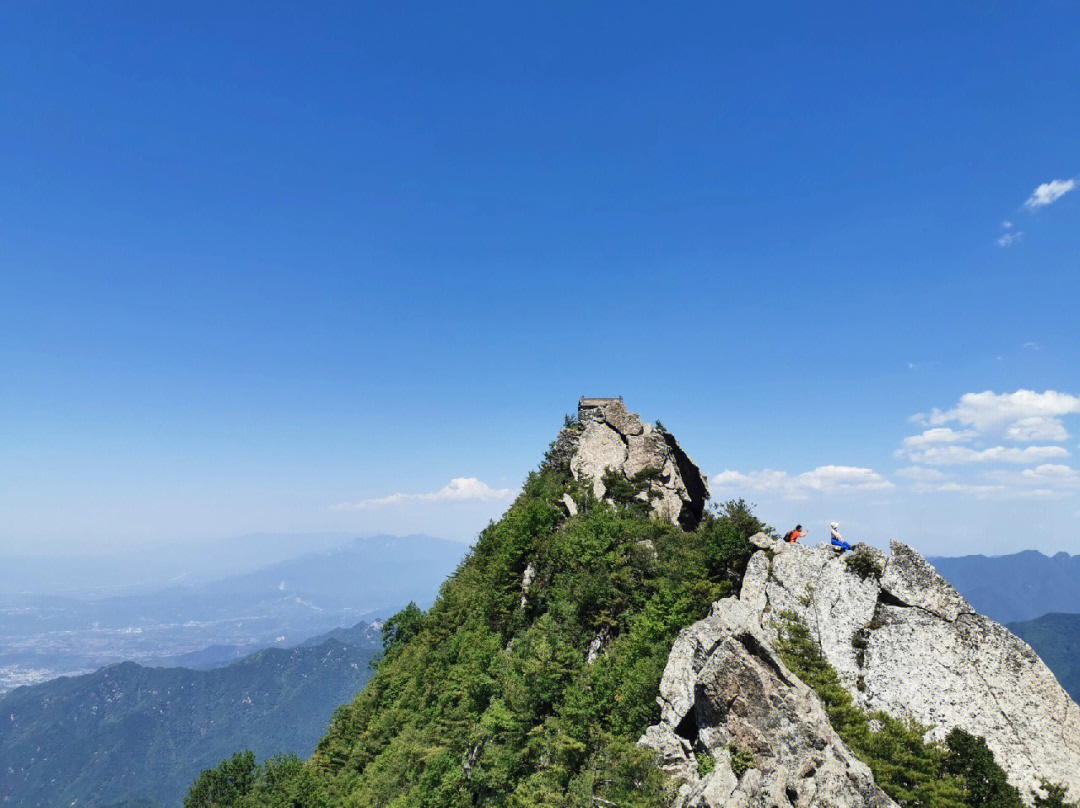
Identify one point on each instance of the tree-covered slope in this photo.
(140, 735)
(1056, 639)
(533, 675)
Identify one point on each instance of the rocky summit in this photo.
(902, 641)
(609, 438)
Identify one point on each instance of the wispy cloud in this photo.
(1049, 475)
(1049, 193)
(920, 474)
(938, 435)
(1048, 481)
(1010, 238)
(822, 480)
(971, 489)
(459, 489)
(992, 491)
(954, 455)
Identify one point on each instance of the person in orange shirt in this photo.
(793, 536)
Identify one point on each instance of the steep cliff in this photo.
(726, 693)
(902, 641)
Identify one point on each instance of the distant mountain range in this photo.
(1056, 639)
(1036, 596)
(43, 635)
(112, 568)
(129, 734)
(1021, 586)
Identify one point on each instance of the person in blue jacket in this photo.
(835, 539)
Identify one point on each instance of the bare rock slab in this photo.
(725, 688)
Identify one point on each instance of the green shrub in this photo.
(862, 563)
(636, 493)
(1053, 796)
(971, 760)
(226, 784)
(742, 760)
(401, 628)
(706, 764)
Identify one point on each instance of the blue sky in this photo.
(263, 261)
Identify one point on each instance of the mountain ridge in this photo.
(138, 734)
(537, 672)
(1015, 587)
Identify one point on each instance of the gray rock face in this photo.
(609, 437)
(526, 583)
(570, 505)
(724, 689)
(904, 641)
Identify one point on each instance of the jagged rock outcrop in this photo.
(904, 641)
(608, 436)
(726, 694)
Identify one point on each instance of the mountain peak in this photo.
(607, 438)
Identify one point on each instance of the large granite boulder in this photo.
(903, 640)
(725, 694)
(607, 436)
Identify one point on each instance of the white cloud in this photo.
(1055, 476)
(1005, 239)
(1037, 427)
(920, 474)
(987, 411)
(1007, 224)
(1053, 471)
(459, 489)
(1021, 417)
(953, 455)
(822, 480)
(971, 489)
(1048, 193)
(1000, 491)
(941, 434)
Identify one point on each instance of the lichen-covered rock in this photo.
(725, 689)
(599, 449)
(905, 642)
(609, 437)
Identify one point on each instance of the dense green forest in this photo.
(489, 698)
(137, 736)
